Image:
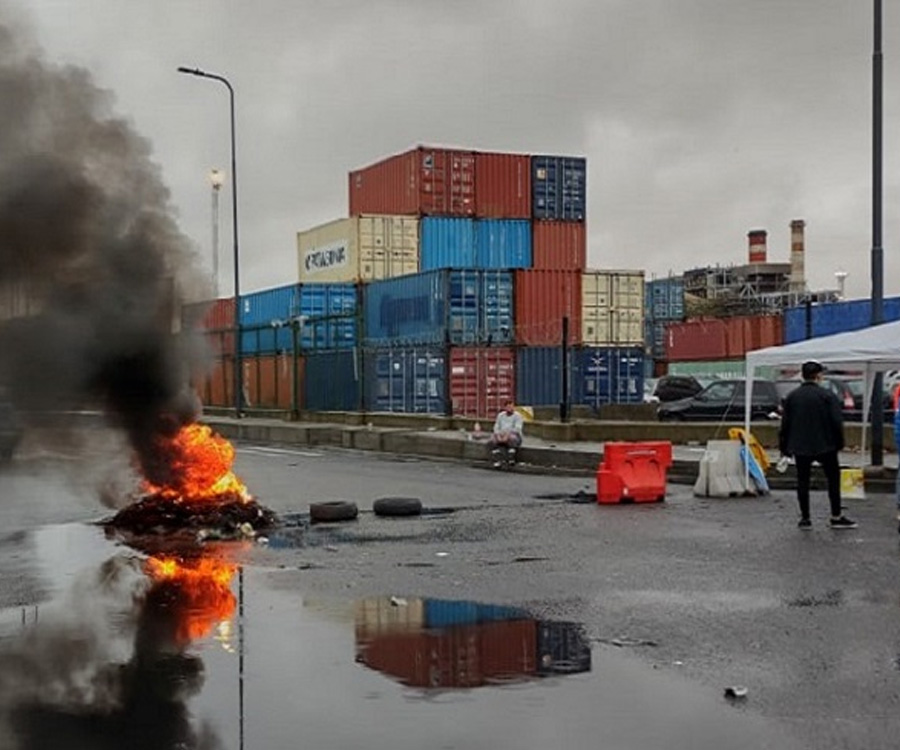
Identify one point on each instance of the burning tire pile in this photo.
(226, 514)
(190, 487)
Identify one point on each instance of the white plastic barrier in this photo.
(722, 472)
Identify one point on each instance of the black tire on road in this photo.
(336, 510)
(397, 506)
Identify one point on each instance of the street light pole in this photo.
(877, 260)
(216, 179)
(238, 365)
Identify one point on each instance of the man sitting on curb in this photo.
(507, 434)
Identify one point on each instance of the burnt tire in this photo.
(397, 507)
(331, 512)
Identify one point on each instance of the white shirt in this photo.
(508, 423)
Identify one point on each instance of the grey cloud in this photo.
(733, 115)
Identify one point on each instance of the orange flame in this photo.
(197, 464)
(203, 587)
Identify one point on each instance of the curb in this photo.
(531, 459)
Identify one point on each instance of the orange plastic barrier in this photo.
(634, 472)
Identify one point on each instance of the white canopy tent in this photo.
(868, 350)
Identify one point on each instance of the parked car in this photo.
(10, 428)
(849, 390)
(723, 400)
(675, 387)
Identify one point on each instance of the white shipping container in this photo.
(612, 308)
(389, 614)
(359, 249)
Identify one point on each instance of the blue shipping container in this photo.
(439, 307)
(446, 243)
(264, 316)
(328, 314)
(664, 299)
(411, 380)
(440, 613)
(331, 316)
(609, 376)
(597, 376)
(332, 381)
(559, 187)
(503, 243)
(835, 317)
(655, 338)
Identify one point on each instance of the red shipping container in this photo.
(508, 649)
(543, 299)
(559, 245)
(502, 186)
(216, 319)
(427, 181)
(697, 340)
(482, 380)
(268, 381)
(215, 386)
(449, 658)
(738, 337)
(746, 334)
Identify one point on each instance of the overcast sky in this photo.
(700, 119)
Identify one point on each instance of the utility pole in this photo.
(877, 249)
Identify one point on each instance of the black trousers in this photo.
(832, 470)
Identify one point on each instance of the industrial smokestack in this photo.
(757, 238)
(798, 251)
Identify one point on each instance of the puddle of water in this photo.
(206, 655)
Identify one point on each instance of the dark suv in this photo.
(848, 388)
(674, 387)
(723, 401)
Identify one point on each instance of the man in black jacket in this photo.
(812, 430)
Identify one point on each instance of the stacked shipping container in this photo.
(438, 341)
(450, 263)
(663, 305)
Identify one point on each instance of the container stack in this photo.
(347, 254)
(604, 309)
(663, 305)
(440, 341)
(445, 291)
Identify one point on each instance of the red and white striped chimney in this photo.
(798, 253)
(757, 238)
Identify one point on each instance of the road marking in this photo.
(281, 451)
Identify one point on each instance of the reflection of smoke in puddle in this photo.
(112, 673)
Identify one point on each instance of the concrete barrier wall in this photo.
(679, 433)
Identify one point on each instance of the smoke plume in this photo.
(90, 251)
(113, 674)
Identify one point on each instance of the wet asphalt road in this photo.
(719, 593)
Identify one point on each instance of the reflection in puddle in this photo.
(462, 644)
(111, 667)
(200, 655)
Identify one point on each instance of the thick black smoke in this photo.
(89, 245)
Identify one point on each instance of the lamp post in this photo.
(877, 260)
(216, 179)
(238, 365)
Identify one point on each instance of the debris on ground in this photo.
(627, 642)
(736, 692)
(222, 517)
